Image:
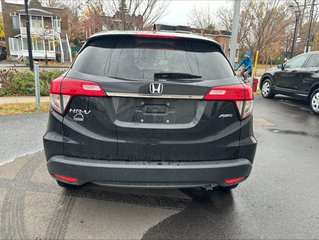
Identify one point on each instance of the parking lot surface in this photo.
(278, 201)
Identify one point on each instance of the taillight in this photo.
(62, 89)
(242, 95)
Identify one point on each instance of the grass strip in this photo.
(22, 108)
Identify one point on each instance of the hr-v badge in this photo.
(79, 114)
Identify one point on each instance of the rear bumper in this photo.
(149, 174)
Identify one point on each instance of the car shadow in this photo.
(211, 218)
(159, 198)
(287, 99)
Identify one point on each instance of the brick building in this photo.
(96, 23)
(48, 27)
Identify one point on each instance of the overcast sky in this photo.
(179, 10)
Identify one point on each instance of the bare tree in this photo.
(225, 18)
(268, 27)
(133, 14)
(263, 24)
(301, 9)
(201, 17)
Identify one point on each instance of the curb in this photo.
(19, 99)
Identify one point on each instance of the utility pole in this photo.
(295, 34)
(310, 24)
(234, 35)
(27, 22)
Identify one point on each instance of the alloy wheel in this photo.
(266, 89)
(315, 102)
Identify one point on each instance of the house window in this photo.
(57, 24)
(15, 22)
(47, 22)
(24, 44)
(23, 20)
(14, 44)
(51, 46)
(36, 22)
(38, 44)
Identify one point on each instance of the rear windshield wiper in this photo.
(174, 75)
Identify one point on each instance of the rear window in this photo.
(139, 58)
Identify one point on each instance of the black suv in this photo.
(150, 109)
(298, 78)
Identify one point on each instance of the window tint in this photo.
(93, 59)
(296, 62)
(138, 58)
(313, 61)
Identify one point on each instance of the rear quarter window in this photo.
(138, 58)
(313, 61)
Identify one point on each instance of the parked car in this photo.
(298, 78)
(3, 53)
(150, 109)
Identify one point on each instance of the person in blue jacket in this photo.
(248, 65)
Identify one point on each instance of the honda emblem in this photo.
(156, 88)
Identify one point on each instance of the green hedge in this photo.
(22, 82)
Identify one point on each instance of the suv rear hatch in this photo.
(166, 98)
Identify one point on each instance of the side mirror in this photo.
(281, 66)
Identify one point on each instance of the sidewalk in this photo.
(21, 99)
(41, 64)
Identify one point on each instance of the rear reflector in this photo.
(65, 178)
(62, 89)
(242, 95)
(153, 35)
(234, 180)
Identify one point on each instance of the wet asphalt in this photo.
(21, 135)
(278, 201)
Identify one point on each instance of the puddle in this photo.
(301, 133)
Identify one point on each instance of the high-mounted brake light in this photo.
(62, 89)
(153, 35)
(241, 94)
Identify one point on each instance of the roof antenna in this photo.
(154, 28)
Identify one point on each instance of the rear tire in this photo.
(68, 186)
(267, 89)
(314, 102)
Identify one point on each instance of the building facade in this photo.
(94, 24)
(48, 28)
(223, 37)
